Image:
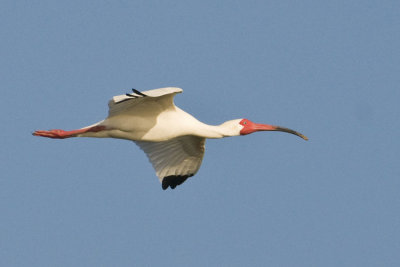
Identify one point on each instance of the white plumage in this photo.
(180, 156)
(173, 140)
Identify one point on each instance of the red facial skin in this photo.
(251, 127)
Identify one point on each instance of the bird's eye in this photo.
(245, 122)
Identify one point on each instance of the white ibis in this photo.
(172, 139)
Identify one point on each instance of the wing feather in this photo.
(122, 103)
(175, 159)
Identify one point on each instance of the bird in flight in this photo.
(173, 140)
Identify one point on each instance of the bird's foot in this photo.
(56, 134)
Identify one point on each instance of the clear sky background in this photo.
(329, 69)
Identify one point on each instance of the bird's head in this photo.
(248, 127)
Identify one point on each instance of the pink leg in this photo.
(61, 134)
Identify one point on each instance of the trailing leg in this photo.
(61, 134)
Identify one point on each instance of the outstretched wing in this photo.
(124, 103)
(175, 160)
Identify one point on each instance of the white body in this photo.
(173, 140)
(156, 119)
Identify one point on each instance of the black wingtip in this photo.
(174, 180)
(131, 95)
(138, 92)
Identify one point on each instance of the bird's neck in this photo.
(198, 128)
(215, 131)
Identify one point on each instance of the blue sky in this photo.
(329, 69)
